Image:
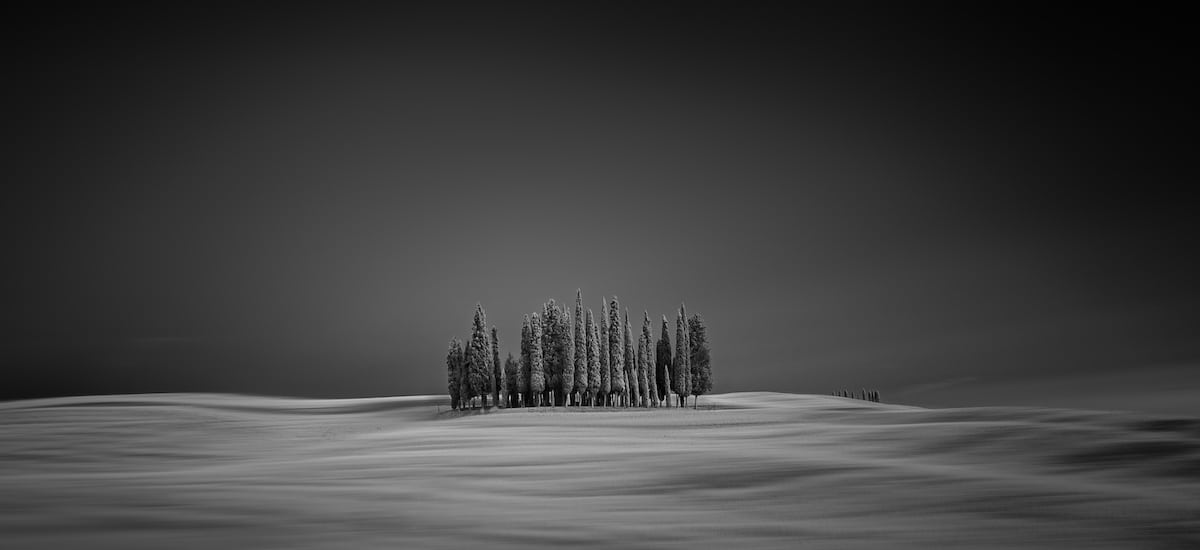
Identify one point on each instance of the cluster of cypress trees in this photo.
(577, 360)
(471, 369)
(865, 394)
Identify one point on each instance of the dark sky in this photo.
(953, 207)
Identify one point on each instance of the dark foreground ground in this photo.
(756, 470)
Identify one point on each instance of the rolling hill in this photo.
(747, 470)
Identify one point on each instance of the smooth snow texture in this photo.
(748, 470)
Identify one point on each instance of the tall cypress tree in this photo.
(643, 399)
(537, 366)
(663, 362)
(651, 369)
(593, 359)
(481, 356)
(489, 382)
(631, 365)
(552, 360)
(699, 359)
(526, 361)
(497, 369)
(680, 368)
(454, 371)
(643, 389)
(616, 350)
(581, 366)
(687, 371)
(568, 369)
(605, 369)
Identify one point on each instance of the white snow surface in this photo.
(745, 470)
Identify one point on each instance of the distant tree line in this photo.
(864, 394)
(577, 360)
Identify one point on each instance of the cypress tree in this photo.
(512, 374)
(699, 359)
(568, 357)
(651, 369)
(481, 356)
(581, 363)
(681, 368)
(497, 369)
(489, 383)
(526, 361)
(453, 371)
(490, 362)
(537, 365)
(643, 389)
(605, 371)
(593, 359)
(688, 330)
(550, 350)
(631, 365)
(663, 364)
(566, 344)
(643, 399)
(616, 349)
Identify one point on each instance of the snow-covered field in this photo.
(757, 470)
